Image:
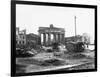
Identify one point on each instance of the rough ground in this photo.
(34, 63)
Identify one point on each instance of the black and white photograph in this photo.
(54, 38)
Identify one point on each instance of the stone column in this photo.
(44, 38)
(63, 39)
(39, 39)
(54, 37)
(58, 37)
(49, 38)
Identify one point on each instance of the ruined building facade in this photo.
(20, 37)
(51, 35)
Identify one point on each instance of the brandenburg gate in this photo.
(51, 35)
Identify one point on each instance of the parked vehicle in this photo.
(75, 46)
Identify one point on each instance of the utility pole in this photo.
(75, 26)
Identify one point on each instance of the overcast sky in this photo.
(31, 17)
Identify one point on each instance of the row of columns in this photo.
(57, 37)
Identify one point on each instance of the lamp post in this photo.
(75, 26)
(75, 31)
